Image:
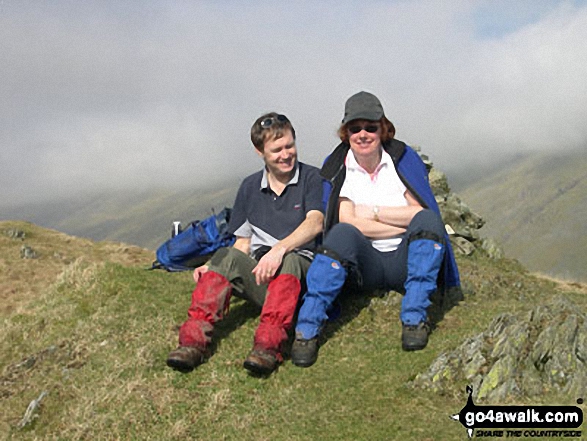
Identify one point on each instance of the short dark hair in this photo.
(387, 130)
(269, 127)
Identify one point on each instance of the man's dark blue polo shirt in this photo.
(266, 218)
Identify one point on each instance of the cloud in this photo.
(126, 94)
(528, 90)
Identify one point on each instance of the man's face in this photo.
(280, 155)
(364, 136)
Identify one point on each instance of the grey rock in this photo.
(462, 245)
(15, 233)
(473, 366)
(26, 252)
(438, 183)
(491, 248)
(581, 344)
(511, 341)
(32, 410)
(27, 363)
(525, 355)
(459, 216)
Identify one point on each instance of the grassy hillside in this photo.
(139, 218)
(95, 331)
(537, 210)
(24, 280)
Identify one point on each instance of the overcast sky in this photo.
(124, 94)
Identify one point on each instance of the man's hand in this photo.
(268, 265)
(199, 271)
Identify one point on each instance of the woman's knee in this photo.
(427, 221)
(346, 241)
(341, 232)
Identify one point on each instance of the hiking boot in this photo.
(304, 353)
(260, 362)
(185, 358)
(415, 337)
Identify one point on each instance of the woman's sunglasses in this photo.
(268, 122)
(371, 128)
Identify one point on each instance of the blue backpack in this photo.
(193, 246)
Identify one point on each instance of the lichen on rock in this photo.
(523, 355)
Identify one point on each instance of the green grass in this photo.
(97, 338)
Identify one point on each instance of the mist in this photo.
(113, 95)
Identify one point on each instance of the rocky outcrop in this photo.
(522, 355)
(462, 224)
(26, 252)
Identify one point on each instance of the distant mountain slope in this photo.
(139, 218)
(537, 209)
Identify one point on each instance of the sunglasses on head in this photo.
(268, 122)
(371, 128)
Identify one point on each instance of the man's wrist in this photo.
(279, 248)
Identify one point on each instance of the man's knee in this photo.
(226, 261)
(295, 265)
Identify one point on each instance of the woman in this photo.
(381, 219)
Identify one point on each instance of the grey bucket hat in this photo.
(363, 105)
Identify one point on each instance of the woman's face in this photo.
(364, 137)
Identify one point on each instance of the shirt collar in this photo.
(293, 180)
(351, 161)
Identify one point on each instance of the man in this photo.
(383, 221)
(276, 217)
